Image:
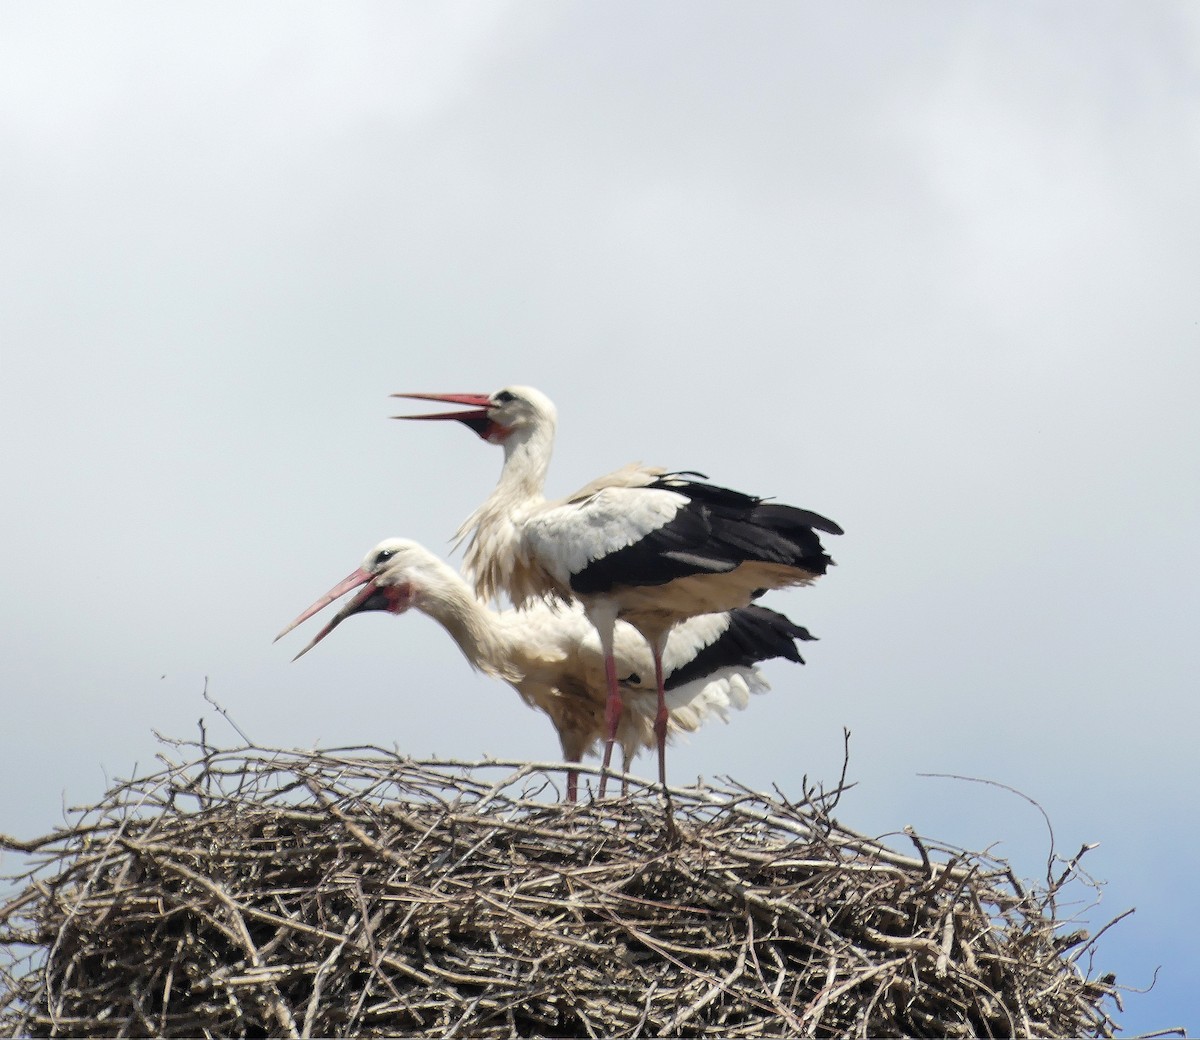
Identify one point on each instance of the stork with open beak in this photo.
(642, 545)
(551, 656)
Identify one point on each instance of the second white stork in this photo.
(552, 657)
(643, 545)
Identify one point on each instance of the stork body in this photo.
(551, 654)
(641, 545)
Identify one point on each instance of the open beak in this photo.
(478, 403)
(476, 417)
(351, 581)
(372, 597)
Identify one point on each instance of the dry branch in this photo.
(355, 892)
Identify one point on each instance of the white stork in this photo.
(551, 656)
(644, 545)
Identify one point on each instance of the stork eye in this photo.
(384, 555)
(503, 397)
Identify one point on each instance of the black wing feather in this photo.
(754, 634)
(714, 532)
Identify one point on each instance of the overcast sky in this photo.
(930, 269)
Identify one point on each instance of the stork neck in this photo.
(527, 454)
(474, 628)
(493, 533)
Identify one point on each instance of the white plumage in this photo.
(640, 544)
(551, 654)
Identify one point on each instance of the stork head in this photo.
(390, 579)
(495, 417)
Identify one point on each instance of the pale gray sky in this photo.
(929, 269)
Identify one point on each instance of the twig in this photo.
(228, 718)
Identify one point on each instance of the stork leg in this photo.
(573, 777)
(574, 745)
(660, 719)
(606, 623)
(612, 717)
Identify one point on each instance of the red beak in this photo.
(370, 597)
(351, 581)
(476, 418)
(479, 403)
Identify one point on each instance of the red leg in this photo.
(660, 720)
(612, 717)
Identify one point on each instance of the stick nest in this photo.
(263, 892)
